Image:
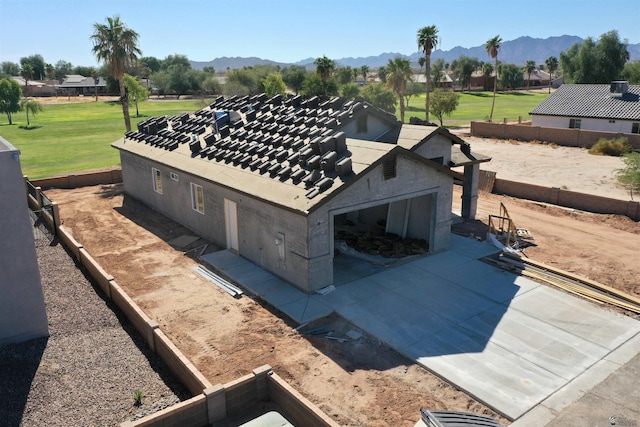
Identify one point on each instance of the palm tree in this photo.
(399, 72)
(27, 74)
(324, 67)
(30, 105)
(492, 46)
(117, 46)
(552, 67)
(530, 67)
(427, 41)
(364, 70)
(421, 61)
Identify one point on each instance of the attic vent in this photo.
(619, 87)
(389, 167)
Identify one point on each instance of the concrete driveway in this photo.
(506, 340)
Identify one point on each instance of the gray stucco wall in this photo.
(22, 311)
(259, 222)
(437, 146)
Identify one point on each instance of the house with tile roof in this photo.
(287, 182)
(75, 84)
(611, 107)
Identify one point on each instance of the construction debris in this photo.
(183, 241)
(589, 289)
(503, 229)
(219, 281)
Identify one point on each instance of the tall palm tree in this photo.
(364, 70)
(427, 41)
(530, 67)
(27, 74)
(399, 72)
(492, 46)
(324, 67)
(552, 66)
(116, 45)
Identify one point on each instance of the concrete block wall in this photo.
(565, 137)
(190, 413)
(113, 176)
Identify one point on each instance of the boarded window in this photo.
(389, 167)
(157, 180)
(197, 198)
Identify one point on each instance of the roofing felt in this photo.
(591, 101)
(290, 152)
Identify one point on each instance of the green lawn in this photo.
(477, 106)
(68, 138)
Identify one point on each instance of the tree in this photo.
(552, 66)
(465, 68)
(379, 96)
(10, 68)
(630, 174)
(592, 62)
(10, 94)
(84, 70)
(382, 73)
(245, 77)
(150, 62)
(63, 68)
(209, 70)
(325, 68)
(314, 86)
(162, 81)
(294, 77)
(50, 70)
(399, 73)
(172, 60)
(510, 76)
(345, 75)
(183, 80)
(273, 85)
(30, 105)
(137, 90)
(487, 70)
(427, 41)
(116, 45)
(631, 72)
(421, 61)
(349, 91)
(413, 89)
(444, 103)
(437, 73)
(492, 46)
(27, 74)
(211, 85)
(37, 64)
(364, 70)
(530, 67)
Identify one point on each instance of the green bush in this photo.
(611, 147)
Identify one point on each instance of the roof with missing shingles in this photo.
(591, 101)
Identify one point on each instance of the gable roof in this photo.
(591, 101)
(287, 152)
(76, 80)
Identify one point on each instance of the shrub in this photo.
(630, 175)
(611, 147)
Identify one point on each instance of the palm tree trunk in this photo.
(125, 103)
(495, 85)
(28, 123)
(401, 107)
(427, 71)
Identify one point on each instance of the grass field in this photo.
(69, 138)
(75, 137)
(477, 106)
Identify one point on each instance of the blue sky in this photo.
(292, 30)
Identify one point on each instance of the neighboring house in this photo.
(75, 84)
(611, 107)
(537, 78)
(36, 87)
(22, 311)
(446, 82)
(280, 181)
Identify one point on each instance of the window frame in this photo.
(156, 176)
(197, 197)
(575, 123)
(635, 127)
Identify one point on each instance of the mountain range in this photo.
(517, 51)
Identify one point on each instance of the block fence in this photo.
(211, 403)
(565, 137)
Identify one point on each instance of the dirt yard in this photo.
(360, 382)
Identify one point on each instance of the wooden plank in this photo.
(486, 181)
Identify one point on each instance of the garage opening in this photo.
(384, 234)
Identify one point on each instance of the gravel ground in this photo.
(86, 371)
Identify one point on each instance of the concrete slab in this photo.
(508, 341)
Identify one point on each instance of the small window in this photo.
(197, 198)
(612, 121)
(174, 176)
(635, 128)
(389, 167)
(361, 123)
(575, 123)
(157, 180)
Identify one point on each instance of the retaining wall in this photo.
(565, 137)
(112, 176)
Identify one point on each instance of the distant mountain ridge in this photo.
(517, 51)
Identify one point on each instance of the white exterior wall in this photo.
(601, 125)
